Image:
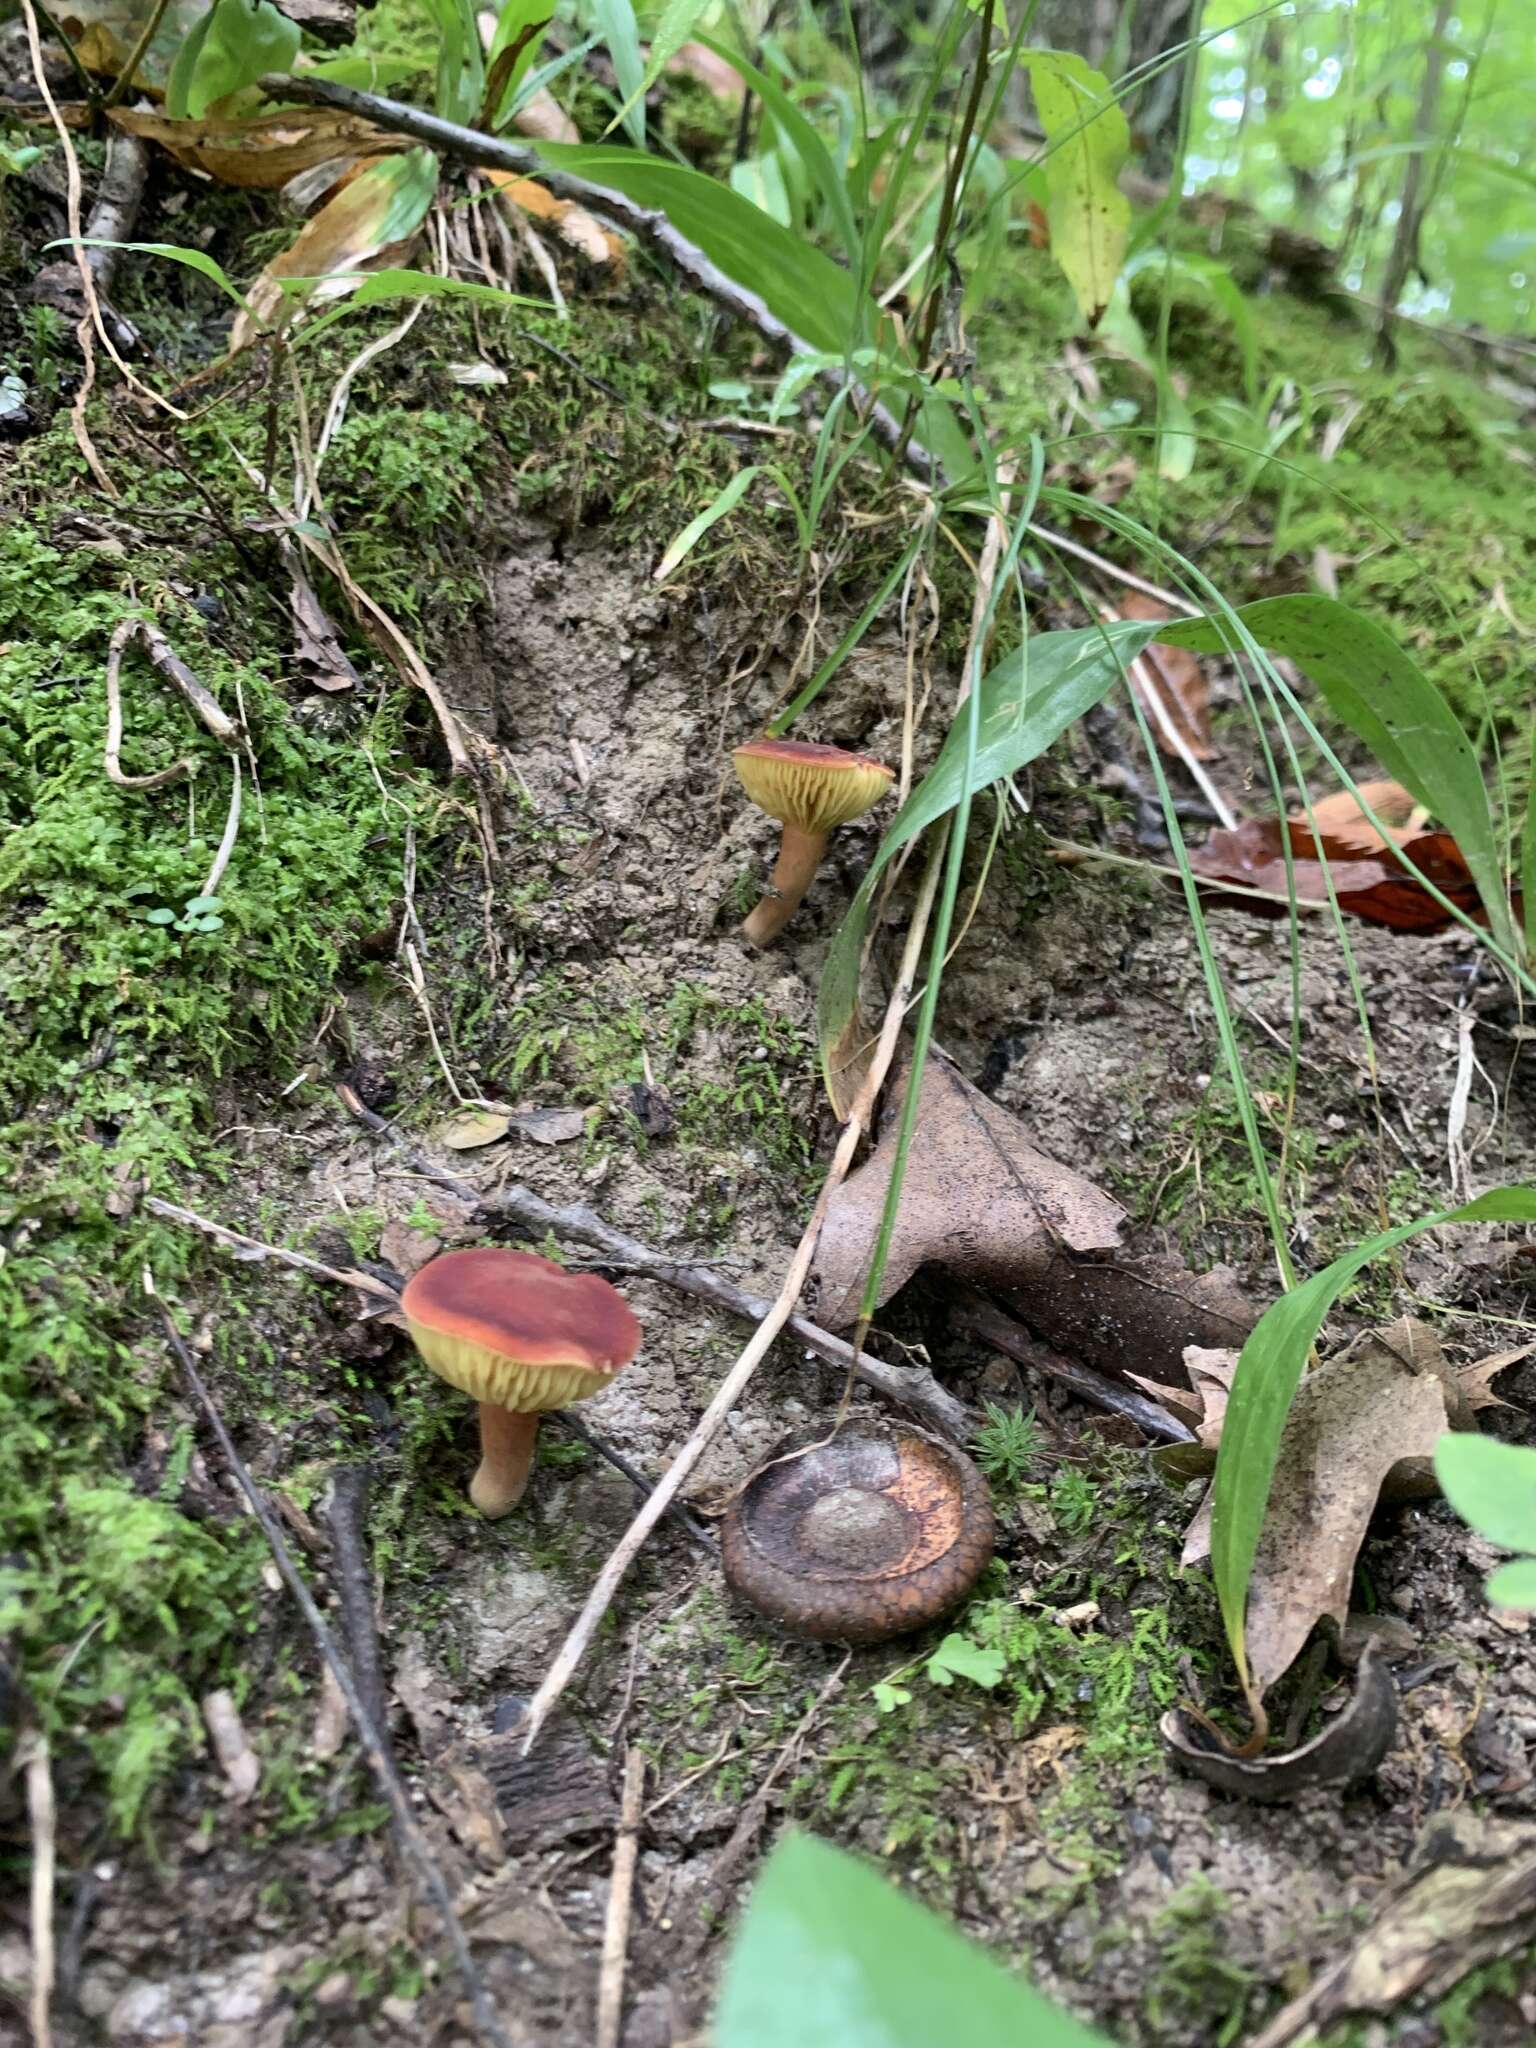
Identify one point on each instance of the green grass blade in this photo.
(1264, 1385)
(723, 502)
(614, 21)
(193, 259)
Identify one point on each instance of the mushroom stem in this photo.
(799, 857)
(506, 1459)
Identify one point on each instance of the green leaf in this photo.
(888, 1698)
(460, 66)
(1027, 703)
(1383, 696)
(384, 287)
(807, 144)
(614, 21)
(160, 916)
(725, 501)
(198, 906)
(193, 259)
(1089, 140)
(958, 1657)
(230, 48)
(1264, 1385)
(1491, 1485)
(519, 31)
(831, 1956)
(1528, 856)
(1513, 1585)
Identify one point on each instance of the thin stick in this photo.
(412, 1840)
(686, 1519)
(344, 1512)
(911, 1387)
(228, 731)
(626, 1849)
(979, 1318)
(735, 1383)
(226, 845)
(347, 1277)
(42, 1816)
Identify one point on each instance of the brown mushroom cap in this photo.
(875, 1533)
(817, 788)
(517, 1331)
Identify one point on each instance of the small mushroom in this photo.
(812, 790)
(868, 1536)
(520, 1334)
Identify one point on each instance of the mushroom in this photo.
(868, 1536)
(812, 790)
(521, 1334)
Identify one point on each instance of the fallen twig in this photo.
(976, 1317)
(202, 703)
(343, 1512)
(679, 1511)
(374, 1746)
(626, 1848)
(910, 1387)
(42, 1816)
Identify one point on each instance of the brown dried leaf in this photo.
(1340, 816)
(261, 154)
(1185, 694)
(1369, 885)
(316, 646)
(1475, 1380)
(545, 119)
(550, 1126)
(105, 33)
(579, 229)
(978, 1198)
(468, 1129)
(237, 1760)
(1363, 1428)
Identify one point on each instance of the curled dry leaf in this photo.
(577, 228)
(263, 153)
(1341, 816)
(237, 1759)
(1349, 1748)
(1362, 1429)
(472, 1128)
(1371, 886)
(105, 33)
(981, 1200)
(1180, 680)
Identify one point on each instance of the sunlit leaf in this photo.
(233, 45)
(614, 22)
(1491, 1485)
(1089, 141)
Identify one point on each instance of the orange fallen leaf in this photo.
(1340, 815)
(1181, 684)
(579, 229)
(1369, 885)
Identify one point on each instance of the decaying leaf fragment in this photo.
(982, 1201)
(579, 229)
(1342, 815)
(1369, 884)
(1186, 695)
(263, 153)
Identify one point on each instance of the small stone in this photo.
(336, 1990)
(399, 2012)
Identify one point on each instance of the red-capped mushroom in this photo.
(811, 790)
(520, 1334)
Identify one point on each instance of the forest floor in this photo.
(585, 958)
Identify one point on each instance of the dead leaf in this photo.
(550, 1126)
(545, 119)
(463, 1794)
(237, 1759)
(576, 227)
(1371, 886)
(1363, 1428)
(331, 1718)
(316, 646)
(978, 1199)
(1185, 694)
(1475, 1380)
(405, 1249)
(105, 33)
(1470, 1899)
(469, 1129)
(716, 73)
(263, 153)
(1349, 1748)
(374, 219)
(1341, 816)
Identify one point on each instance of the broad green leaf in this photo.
(761, 180)
(234, 44)
(1383, 696)
(726, 501)
(807, 144)
(1268, 1373)
(1027, 702)
(1089, 140)
(191, 259)
(1491, 1485)
(460, 66)
(958, 1657)
(367, 74)
(888, 1698)
(1513, 1585)
(614, 23)
(832, 1956)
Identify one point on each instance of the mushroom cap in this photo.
(516, 1330)
(875, 1533)
(816, 788)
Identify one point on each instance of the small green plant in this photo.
(956, 1657)
(198, 913)
(1492, 1486)
(1008, 1444)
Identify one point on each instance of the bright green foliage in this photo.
(1088, 140)
(1492, 1486)
(230, 48)
(831, 1956)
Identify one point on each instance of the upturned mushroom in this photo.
(521, 1335)
(811, 790)
(868, 1536)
